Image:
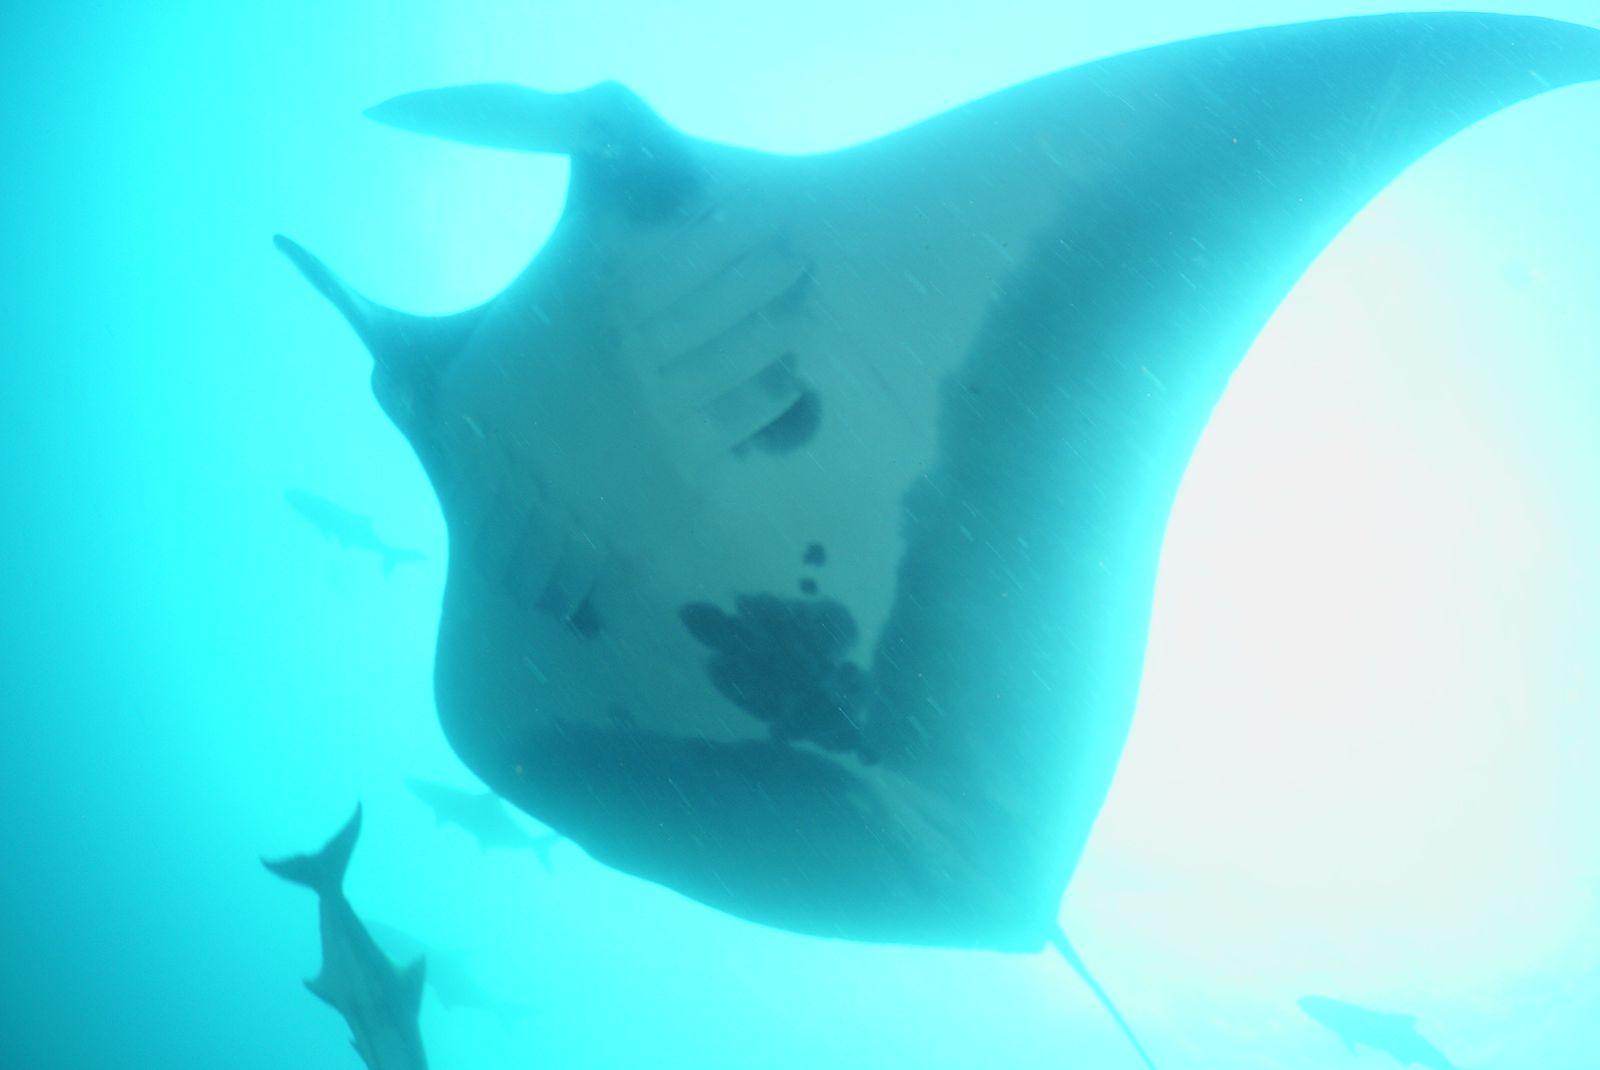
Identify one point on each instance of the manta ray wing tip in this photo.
(391, 112)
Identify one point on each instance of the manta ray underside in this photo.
(804, 512)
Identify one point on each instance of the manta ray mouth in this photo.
(696, 810)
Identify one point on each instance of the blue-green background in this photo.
(1364, 762)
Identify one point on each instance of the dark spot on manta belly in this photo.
(585, 620)
(783, 661)
(808, 586)
(815, 555)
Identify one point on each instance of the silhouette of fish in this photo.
(357, 979)
(1393, 1034)
(350, 530)
(483, 815)
(451, 976)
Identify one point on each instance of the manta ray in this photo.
(804, 511)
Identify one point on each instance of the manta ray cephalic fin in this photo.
(623, 154)
(404, 344)
(500, 116)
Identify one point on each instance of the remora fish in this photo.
(357, 979)
(350, 530)
(451, 976)
(481, 814)
(1393, 1034)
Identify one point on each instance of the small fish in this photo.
(1393, 1034)
(357, 979)
(350, 530)
(484, 816)
(451, 976)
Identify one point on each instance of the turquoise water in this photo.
(1362, 762)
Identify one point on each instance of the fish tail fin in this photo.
(1070, 956)
(322, 872)
(412, 978)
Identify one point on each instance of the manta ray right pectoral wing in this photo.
(1200, 180)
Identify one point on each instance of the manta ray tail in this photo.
(408, 347)
(1069, 954)
(322, 872)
